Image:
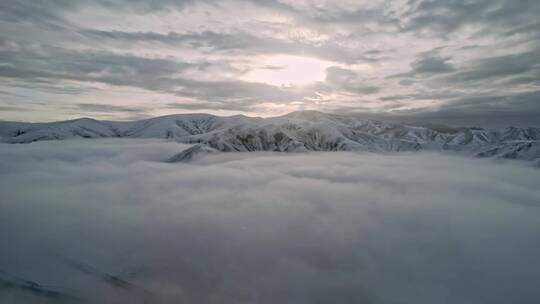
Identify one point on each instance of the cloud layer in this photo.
(266, 228)
(64, 59)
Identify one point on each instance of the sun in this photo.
(287, 70)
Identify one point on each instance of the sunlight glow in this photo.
(286, 70)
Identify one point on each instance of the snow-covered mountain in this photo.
(297, 131)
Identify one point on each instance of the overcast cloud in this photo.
(64, 59)
(265, 228)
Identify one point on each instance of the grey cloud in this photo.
(348, 80)
(432, 17)
(444, 16)
(52, 86)
(519, 109)
(240, 42)
(460, 109)
(51, 62)
(162, 75)
(13, 109)
(86, 54)
(94, 107)
(365, 89)
(215, 105)
(51, 12)
(498, 88)
(44, 13)
(531, 30)
(519, 64)
(516, 104)
(395, 97)
(266, 228)
(495, 17)
(406, 82)
(239, 91)
(142, 6)
(443, 95)
(10, 93)
(213, 40)
(428, 64)
(432, 64)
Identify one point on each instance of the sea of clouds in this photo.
(107, 221)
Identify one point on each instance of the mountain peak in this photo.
(297, 131)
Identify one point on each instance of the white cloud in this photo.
(268, 228)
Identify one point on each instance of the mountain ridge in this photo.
(293, 132)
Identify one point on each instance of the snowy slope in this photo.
(191, 153)
(297, 131)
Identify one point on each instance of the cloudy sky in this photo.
(451, 61)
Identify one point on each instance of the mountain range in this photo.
(294, 132)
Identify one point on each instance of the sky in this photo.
(443, 61)
(265, 227)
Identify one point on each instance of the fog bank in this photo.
(106, 221)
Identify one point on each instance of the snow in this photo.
(190, 153)
(294, 132)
